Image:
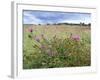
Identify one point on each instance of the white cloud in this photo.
(39, 17)
(29, 18)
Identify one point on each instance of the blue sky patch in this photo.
(52, 17)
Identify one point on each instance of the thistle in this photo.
(30, 30)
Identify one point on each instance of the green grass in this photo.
(55, 48)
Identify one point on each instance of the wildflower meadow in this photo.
(54, 46)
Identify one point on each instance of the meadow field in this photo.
(54, 46)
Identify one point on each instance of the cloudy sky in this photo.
(44, 17)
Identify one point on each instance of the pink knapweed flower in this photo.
(75, 37)
(30, 30)
(37, 38)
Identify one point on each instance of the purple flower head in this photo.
(42, 35)
(37, 39)
(30, 30)
(75, 37)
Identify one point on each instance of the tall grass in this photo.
(56, 46)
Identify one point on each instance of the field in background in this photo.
(50, 46)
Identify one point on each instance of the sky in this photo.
(51, 17)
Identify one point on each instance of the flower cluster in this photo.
(55, 51)
(76, 37)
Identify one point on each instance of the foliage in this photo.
(44, 52)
